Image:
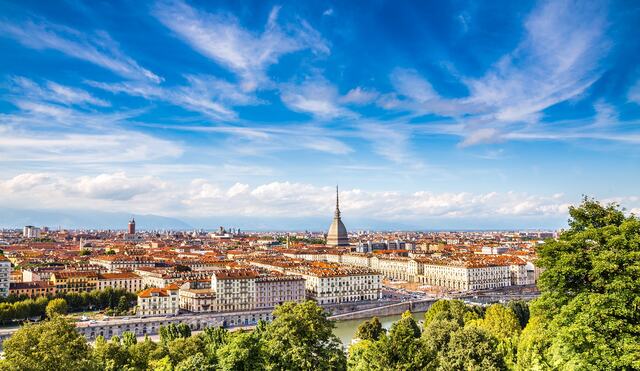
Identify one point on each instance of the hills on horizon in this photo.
(92, 219)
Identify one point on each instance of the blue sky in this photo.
(428, 114)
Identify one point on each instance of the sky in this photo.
(429, 115)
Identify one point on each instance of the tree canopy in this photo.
(590, 293)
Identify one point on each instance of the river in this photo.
(345, 330)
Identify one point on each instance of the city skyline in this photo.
(434, 116)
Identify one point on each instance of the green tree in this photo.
(243, 353)
(370, 330)
(129, 339)
(590, 290)
(123, 305)
(435, 340)
(56, 307)
(140, 354)
(172, 331)
(471, 348)
(50, 345)
(500, 322)
(404, 344)
(521, 310)
(452, 310)
(197, 362)
(533, 346)
(301, 338)
(110, 355)
(182, 348)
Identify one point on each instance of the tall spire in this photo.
(337, 202)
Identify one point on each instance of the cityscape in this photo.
(196, 185)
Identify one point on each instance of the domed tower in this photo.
(337, 235)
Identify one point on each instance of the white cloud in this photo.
(328, 12)
(97, 48)
(52, 189)
(203, 198)
(359, 96)
(117, 146)
(205, 94)
(222, 38)
(557, 60)
(116, 186)
(316, 96)
(22, 87)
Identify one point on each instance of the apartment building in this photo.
(130, 282)
(158, 301)
(275, 290)
(197, 300)
(462, 273)
(332, 284)
(235, 289)
(32, 289)
(391, 267)
(5, 275)
(122, 263)
(74, 281)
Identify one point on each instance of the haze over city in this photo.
(438, 115)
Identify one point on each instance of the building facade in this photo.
(130, 282)
(275, 290)
(5, 275)
(158, 302)
(235, 289)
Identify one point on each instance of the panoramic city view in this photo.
(296, 185)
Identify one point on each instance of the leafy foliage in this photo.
(56, 307)
(301, 338)
(370, 330)
(52, 345)
(590, 294)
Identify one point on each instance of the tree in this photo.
(435, 340)
(533, 346)
(590, 290)
(56, 307)
(140, 354)
(196, 362)
(110, 355)
(50, 345)
(471, 348)
(243, 352)
(182, 348)
(500, 322)
(172, 331)
(370, 330)
(123, 305)
(404, 344)
(129, 339)
(521, 310)
(301, 338)
(453, 310)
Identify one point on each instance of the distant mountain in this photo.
(85, 219)
(88, 219)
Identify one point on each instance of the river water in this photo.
(345, 330)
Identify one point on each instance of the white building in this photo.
(335, 285)
(30, 231)
(5, 276)
(127, 281)
(275, 290)
(462, 274)
(158, 302)
(235, 289)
